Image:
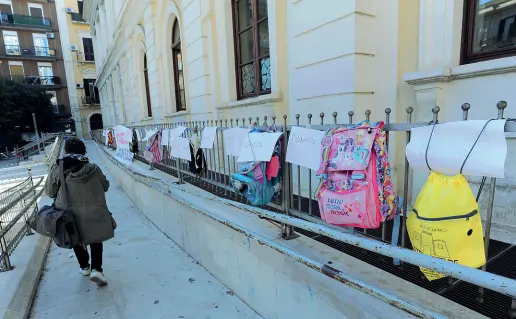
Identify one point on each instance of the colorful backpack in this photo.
(356, 187)
(259, 182)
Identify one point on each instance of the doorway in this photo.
(96, 122)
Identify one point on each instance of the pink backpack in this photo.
(356, 186)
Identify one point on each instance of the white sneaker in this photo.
(85, 271)
(98, 278)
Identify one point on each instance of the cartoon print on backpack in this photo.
(356, 188)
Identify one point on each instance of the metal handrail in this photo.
(36, 51)
(25, 20)
(11, 204)
(9, 237)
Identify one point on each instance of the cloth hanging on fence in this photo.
(445, 221)
(153, 150)
(134, 142)
(195, 142)
(197, 163)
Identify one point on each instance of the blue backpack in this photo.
(254, 182)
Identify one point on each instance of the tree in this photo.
(17, 103)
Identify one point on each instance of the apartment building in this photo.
(31, 53)
(79, 62)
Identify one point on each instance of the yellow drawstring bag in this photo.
(445, 221)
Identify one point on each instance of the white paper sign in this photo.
(165, 137)
(304, 147)
(177, 132)
(123, 137)
(240, 137)
(228, 137)
(180, 148)
(208, 137)
(258, 147)
(106, 136)
(149, 134)
(451, 143)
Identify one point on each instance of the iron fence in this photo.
(297, 203)
(18, 206)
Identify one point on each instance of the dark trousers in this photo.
(84, 259)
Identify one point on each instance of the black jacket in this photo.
(198, 162)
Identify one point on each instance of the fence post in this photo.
(3, 251)
(406, 184)
(487, 235)
(287, 231)
(26, 213)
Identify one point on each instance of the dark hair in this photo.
(75, 146)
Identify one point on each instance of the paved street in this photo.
(149, 276)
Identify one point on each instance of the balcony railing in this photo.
(24, 20)
(16, 50)
(36, 80)
(88, 100)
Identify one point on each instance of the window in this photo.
(91, 92)
(46, 75)
(251, 30)
(80, 6)
(6, 7)
(36, 10)
(87, 45)
(40, 44)
(489, 30)
(179, 81)
(147, 90)
(16, 71)
(53, 100)
(12, 45)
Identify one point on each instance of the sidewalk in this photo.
(149, 276)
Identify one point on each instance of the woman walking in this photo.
(86, 201)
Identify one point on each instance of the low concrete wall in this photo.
(277, 278)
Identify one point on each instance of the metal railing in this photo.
(36, 80)
(18, 205)
(88, 100)
(300, 211)
(16, 50)
(24, 20)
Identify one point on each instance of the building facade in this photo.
(79, 67)
(162, 61)
(31, 52)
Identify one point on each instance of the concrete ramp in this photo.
(149, 276)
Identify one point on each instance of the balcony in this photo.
(24, 21)
(89, 101)
(46, 81)
(32, 53)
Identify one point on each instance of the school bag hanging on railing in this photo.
(445, 221)
(259, 181)
(356, 186)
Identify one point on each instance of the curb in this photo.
(21, 302)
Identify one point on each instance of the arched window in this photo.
(147, 91)
(177, 57)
